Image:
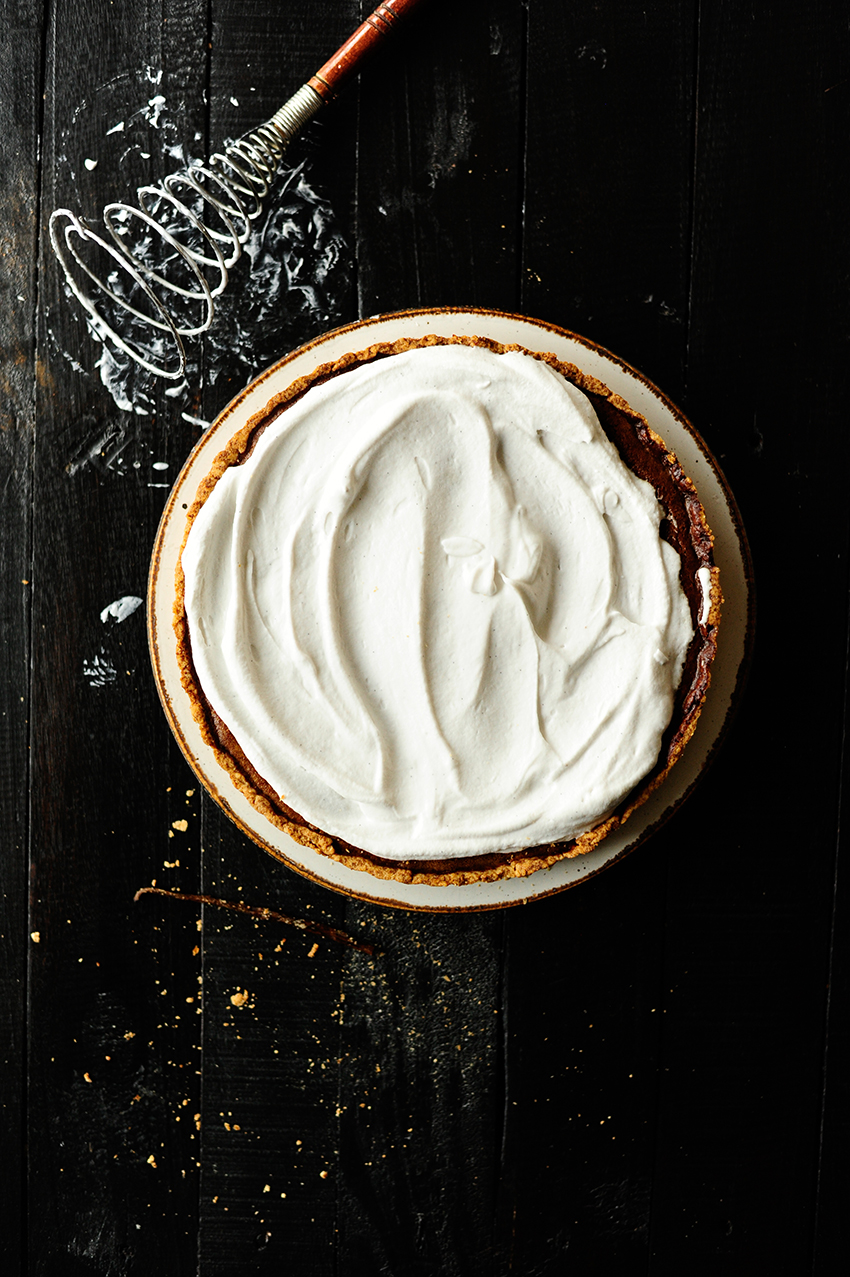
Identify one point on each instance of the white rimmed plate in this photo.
(731, 555)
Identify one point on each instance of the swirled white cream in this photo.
(434, 609)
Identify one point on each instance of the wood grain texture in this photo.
(583, 1046)
(439, 186)
(747, 948)
(421, 1096)
(604, 234)
(114, 1040)
(647, 1074)
(20, 62)
(271, 1048)
(609, 139)
(830, 1224)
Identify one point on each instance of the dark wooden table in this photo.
(648, 1073)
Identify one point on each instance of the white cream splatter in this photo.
(121, 608)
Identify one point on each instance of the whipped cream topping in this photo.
(704, 578)
(434, 609)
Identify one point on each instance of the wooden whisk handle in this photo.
(346, 62)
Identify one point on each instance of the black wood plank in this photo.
(272, 1001)
(114, 1032)
(831, 1224)
(583, 1027)
(749, 920)
(609, 147)
(421, 1095)
(270, 1097)
(604, 253)
(439, 149)
(20, 63)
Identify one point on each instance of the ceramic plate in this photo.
(731, 555)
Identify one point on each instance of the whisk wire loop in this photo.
(218, 261)
(236, 238)
(203, 290)
(63, 248)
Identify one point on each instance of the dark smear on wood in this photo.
(260, 911)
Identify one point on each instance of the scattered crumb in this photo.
(35, 936)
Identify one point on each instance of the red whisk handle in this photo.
(346, 62)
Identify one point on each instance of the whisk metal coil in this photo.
(175, 215)
(232, 186)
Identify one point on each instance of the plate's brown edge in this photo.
(737, 524)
